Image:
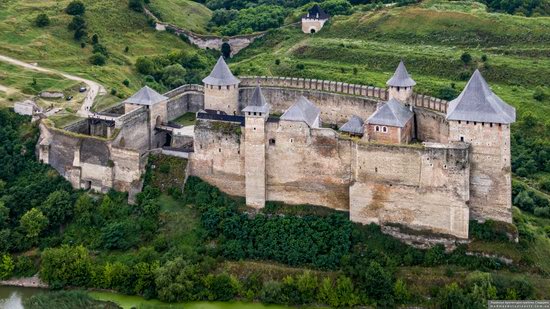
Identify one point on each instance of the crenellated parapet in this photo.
(418, 100)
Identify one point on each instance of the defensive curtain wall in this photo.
(421, 185)
(424, 186)
(109, 149)
(237, 42)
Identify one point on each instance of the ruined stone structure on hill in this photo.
(397, 159)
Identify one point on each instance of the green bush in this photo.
(75, 8)
(135, 5)
(98, 59)
(42, 20)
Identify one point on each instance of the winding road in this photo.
(94, 89)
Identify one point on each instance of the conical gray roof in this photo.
(303, 110)
(392, 113)
(257, 103)
(477, 102)
(146, 96)
(401, 77)
(221, 75)
(353, 126)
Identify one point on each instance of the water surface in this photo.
(12, 298)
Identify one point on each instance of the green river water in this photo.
(12, 297)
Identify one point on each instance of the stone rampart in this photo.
(423, 187)
(237, 42)
(307, 166)
(339, 87)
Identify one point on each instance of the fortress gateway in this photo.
(387, 156)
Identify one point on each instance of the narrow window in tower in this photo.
(271, 141)
(254, 113)
(227, 87)
(376, 169)
(219, 87)
(384, 129)
(377, 129)
(219, 150)
(459, 122)
(254, 129)
(462, 138)
(491, 124)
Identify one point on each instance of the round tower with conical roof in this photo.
(479, 117)
(400, 85)
(221, 90)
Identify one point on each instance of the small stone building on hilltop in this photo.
(314, 20)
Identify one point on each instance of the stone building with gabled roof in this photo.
(391, 123)
(354, 126)
(305, 111)
(314, 20)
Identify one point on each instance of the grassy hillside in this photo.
(17, 84)
(54, 46)
(366, 47)
(186, 14)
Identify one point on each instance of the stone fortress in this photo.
(387, 156)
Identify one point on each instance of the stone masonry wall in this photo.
(307, 166)
(185, 103)
(490, 175)
(218, 155)
(419, 187)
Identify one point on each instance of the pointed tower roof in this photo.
(353, 126)
(303, 110)
(392, 113)
(257, 103)
(146, 96)
(221, 75)
(401, 77)
(316, 12)
(477, 102)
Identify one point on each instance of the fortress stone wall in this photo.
(456, 171)
(423, 187)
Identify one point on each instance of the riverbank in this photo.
(13, 298)
(27, 282)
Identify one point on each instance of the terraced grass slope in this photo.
(185, 14)
(366, 47)
(54, 46)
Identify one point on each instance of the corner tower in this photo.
(256, 114)
(400, 85)
(479, 117)
(156, 105)
(221, 89)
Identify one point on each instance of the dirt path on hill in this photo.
(94, 89)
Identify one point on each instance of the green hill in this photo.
(182, 13)
(53, 46)
(366, 47)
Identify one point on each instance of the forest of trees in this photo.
(99, 241)
(520, 7)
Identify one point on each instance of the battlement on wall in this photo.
(418, 100)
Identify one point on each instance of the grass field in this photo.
(17, 84)
(185, 14)
(54, 46)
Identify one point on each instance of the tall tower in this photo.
(400, 85)
(479, 117)
(256, 114)
(221, 89)
(156, 105)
